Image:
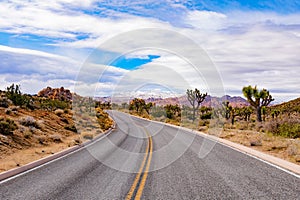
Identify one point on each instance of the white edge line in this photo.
(56, 159)
(205, 136)
(243, 152)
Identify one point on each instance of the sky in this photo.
(151, 47)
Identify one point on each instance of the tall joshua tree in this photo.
(195, 98)
(257, 99)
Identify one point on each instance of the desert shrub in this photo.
(13, 93)
(71, 128)
(7, 126)
(4, 102)
(87, 136)
(30, 122)
(53, 104)
(292, 150)
(103, 119)
(8, 111)
(27, 134)
(256, 142)
(59, 112)
(289, 128)
(206, 116)
(56, 138)
(41, 139)
(204, 123)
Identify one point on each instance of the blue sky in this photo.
(47, 43)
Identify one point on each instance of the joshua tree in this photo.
(148, 106)
(261, 98)
(246, 112)
(195, 98)
(139, 105)
(227, 109)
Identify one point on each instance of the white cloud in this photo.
(57, 22)
(247, 47)
(255, 49)
(206, 20)
(35, 70)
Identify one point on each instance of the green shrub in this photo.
(13, 93)
(289, 128)
(7, 126)
(53, 104)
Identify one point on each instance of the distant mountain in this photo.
(209, 101)
(235, 101)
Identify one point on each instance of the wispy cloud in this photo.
(249, 42)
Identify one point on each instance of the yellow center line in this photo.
(144, 178)
(137, 178)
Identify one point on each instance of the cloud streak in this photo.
(247, 46)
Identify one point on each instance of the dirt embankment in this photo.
(43, 126)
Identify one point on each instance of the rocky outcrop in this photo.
(61, 94)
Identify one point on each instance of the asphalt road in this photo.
(148, 160)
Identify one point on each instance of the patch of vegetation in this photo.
(4, 102)
(54, 104)
(7, 126)
(30, 122)
(103, 119)
(289, 128)
(13, 93)
(87, 136)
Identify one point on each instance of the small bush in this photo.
(30, 122)
(7, 126)
(292, 150)
(8, 111)
(71, 128)
(53, 104)
(13, 93)
(289, 128)
(256, 142)
(56, 138)
(28, 134)
(87, 136)
(204, 123)
(59, 112)
(4, 103)
(41, 139)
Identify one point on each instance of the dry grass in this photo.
(288, 149)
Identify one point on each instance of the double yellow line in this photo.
(141, 177)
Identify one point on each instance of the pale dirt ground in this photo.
(25, 146)
(284, 148)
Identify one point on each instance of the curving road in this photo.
(148, 160)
